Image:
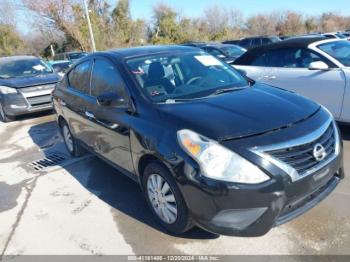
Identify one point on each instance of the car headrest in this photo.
(156, 71)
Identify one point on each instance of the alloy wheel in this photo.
(68, 138)
(162, 198)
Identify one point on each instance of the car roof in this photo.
(17, 58)
(149, 50)
(294, 42)
(218, 45)
(259, 36)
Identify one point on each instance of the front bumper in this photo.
(19, 104)
(252, 210)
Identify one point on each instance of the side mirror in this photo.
(318, 65)
(110, 99)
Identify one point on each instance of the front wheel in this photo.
(71, 144)
(165, 199)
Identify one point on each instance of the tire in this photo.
(74, 149)
(174, 222)
(3, 117)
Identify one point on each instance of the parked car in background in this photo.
(232, 42)
(207, 146)
(71, 56)
(336, 35)
(225, 52)
(60, 66)
(251, 42)
(316, 67)
(194, 43)
(26, 84)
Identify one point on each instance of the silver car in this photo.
(315, 67)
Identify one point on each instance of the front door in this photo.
(111, 123)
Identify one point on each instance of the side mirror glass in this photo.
(318, 65)
(110, 99)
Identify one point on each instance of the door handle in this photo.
(89, 115)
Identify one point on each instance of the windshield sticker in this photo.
(39, 67)
(208, 60)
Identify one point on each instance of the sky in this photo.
(194, 8)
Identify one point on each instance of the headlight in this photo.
(7, 90)
(217, 162)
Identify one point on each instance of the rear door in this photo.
(290, 70)
(110, 125)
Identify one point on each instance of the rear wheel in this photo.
(3, 117)
(71, 144)
(165, 199)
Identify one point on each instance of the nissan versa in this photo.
(26, 84)
(208, 147)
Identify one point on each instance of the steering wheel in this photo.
(194, 79)
(201, 80)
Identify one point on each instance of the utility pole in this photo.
(92, 39)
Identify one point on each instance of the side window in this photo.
(305, 57)
(285, 57)
(266, 41)
(260, 60)
(106, 79)
(256, 42)
(79, 77)
(245, 42)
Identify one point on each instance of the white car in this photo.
(336, 35)
(311, 66)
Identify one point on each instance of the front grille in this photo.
(301, 157)
(39, 100)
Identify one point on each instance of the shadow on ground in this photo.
(108, 184)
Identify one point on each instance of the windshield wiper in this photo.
(172, 101)
(227, 90)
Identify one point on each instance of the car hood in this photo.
(245, 112)
(30, 81)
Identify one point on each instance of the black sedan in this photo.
(207, 147)
(26, 84)
(225, 52)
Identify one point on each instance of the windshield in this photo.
(23, 68)
(183, 76)
(233, 51)
(340, 50)
(75, 56)
(59, 67)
